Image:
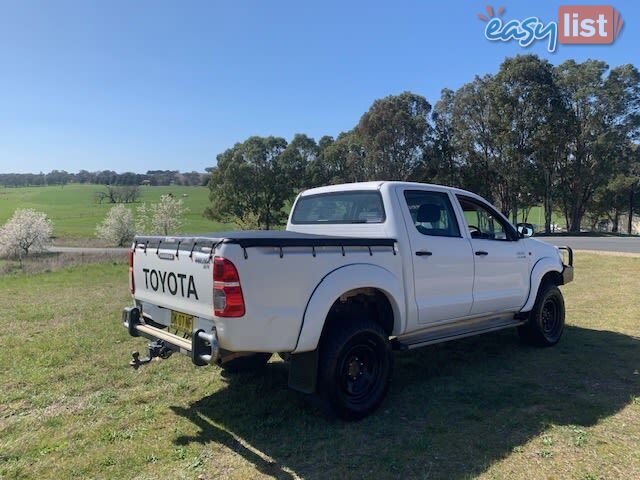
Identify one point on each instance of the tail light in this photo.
(227, 293)
(132, 284)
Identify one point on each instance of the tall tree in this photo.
(476, 136)
(528, 108)
(395, 134)
(318, 170)
(603, 110)
(445, 164)
(296, 158)
(339, 161)
(251, 183)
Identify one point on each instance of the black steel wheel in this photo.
(546, 320)
(355, 367)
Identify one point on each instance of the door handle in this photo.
(423, 253)
(481, 253)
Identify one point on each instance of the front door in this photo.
(501, 260)
(442, 257)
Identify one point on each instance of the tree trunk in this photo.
(576, 221)
(630, 220)
(548, 206)
(616, 221)
(548, 213)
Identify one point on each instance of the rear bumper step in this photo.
(202, 347)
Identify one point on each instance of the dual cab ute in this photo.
(362, 269)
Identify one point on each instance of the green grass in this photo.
(75, 214)
(486, 407)
(536, 217)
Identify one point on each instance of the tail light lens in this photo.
(132, 284)
(227, 293)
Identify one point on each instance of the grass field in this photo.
(75, 214)
(486, 407)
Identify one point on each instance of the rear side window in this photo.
(432, 213)
(339, 207)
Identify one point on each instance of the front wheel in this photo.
(355, 367)
(546, 320)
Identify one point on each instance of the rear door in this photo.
(442, 257)
(501, 259)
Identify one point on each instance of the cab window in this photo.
(339, 208)
(432, 213)
(482, 222)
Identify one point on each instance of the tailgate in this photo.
(175, 279)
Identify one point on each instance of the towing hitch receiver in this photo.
(202, 347)
(157, 349)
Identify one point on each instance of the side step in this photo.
(454, 331)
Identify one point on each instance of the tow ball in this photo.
(156, 349)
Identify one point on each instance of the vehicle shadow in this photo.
(452, 411)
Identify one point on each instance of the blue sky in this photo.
(169, 85)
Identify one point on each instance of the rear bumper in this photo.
(202, 347)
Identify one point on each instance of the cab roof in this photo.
(377, 185)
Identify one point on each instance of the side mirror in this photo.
(525, 230)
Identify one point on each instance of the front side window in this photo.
(432, 213)
(339, 207)
(482, 222)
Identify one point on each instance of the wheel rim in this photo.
(551, 323)
(360, 372)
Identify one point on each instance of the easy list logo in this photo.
(592, 24)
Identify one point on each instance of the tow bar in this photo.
(157, 349)
(202, 347)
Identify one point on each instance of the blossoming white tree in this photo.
(117, 227)
(26, 231)
(161, 218)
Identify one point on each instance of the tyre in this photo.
(247, 363)
(546, 320)
(355, 367)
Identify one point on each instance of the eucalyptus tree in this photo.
(603, 112)
(396, 135)
(530, 116)
(475, 136)
(446, 163)
(251, 183)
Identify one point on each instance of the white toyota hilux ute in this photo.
(362, 269)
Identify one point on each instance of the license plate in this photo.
(181, 322)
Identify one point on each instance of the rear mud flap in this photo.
(303, 371)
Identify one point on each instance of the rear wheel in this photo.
(355, 367)
(247, 363)
(546, 320)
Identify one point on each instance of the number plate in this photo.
(181, 322)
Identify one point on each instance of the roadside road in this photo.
(87, 250)
(603, 244)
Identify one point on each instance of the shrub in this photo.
(161, 218)
(117, 227)
(26, 231)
